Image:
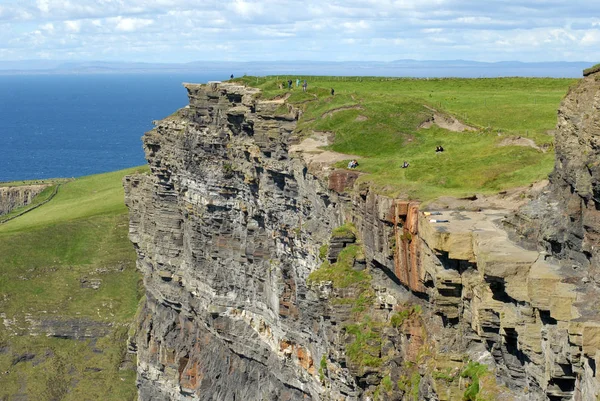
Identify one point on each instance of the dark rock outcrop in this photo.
(13, 197)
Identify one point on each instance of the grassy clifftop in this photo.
(69, 291)
(381, 120)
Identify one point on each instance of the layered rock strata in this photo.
(13, 197)
(230, 224)
(566, 219)
(221, 227)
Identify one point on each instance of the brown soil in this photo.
(446, 121)
(278, 99)
(316, 158)
(520, 141)
(511, 199)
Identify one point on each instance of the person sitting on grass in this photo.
(405, 164)
(439, 149)
(352, 164)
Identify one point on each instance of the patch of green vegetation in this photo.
(387, 384)
(49, 259)
(323, 249)
(445, 375)
(406, 236)
(363, 301)
(591, 70)
(473, 371)
(365, 349)
(47, 181)
(344, 231)
(341, 273)
(379, 120)
(322, 368)
(400, 317)
(415, 381)
(410, 385)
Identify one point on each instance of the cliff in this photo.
(13, 197)
(271, 275)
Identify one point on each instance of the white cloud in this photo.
(334, 29)
(474, 20)
(48, 27)
(355, 25)
(131, 24)
(247, 9)
(73, 26)
(590, 38)
(432, 30)
(43, 5)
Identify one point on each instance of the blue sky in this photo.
(245, 30)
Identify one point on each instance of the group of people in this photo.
(352, 163)
(438, 149)
(290, 82)
(298, 82)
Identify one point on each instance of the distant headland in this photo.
(396, 68)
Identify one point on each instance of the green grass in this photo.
(591, 70)
(378, 120)
(473, 371)
(365, 348)
(46, 257)
(341, 273)
(400, 317)
(345, 231)
(48, 181)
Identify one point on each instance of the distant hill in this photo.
(397, 68)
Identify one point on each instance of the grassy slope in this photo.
(394, 109)
(44, 256)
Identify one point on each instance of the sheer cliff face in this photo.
(566, 218)
(230, 223)
(227, 227)
(575, 182)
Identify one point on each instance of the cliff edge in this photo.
(271, 277)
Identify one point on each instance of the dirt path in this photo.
(510, 199)
(446, 121)
(520, 141)
(278, 100)
(342, 108)
(316, 158)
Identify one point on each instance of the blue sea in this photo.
(75, 125)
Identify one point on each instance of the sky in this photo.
(178, 31)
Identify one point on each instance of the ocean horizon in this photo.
(75, 125)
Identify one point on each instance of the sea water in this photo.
(76, 125)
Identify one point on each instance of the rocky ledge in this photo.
(13, 197)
